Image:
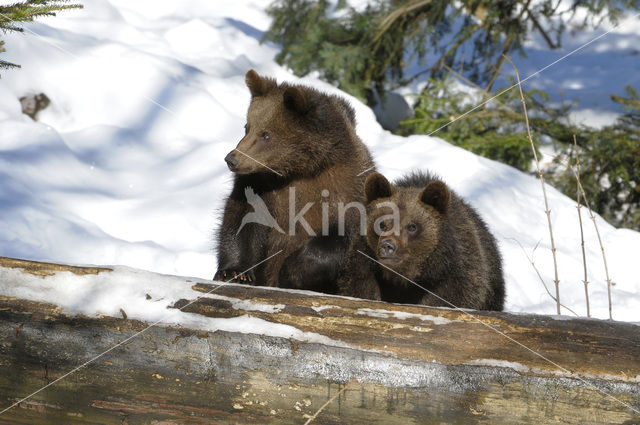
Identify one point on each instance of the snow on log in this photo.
(256, 355)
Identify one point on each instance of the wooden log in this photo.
(400, 364)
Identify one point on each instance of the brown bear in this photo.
(434, 239)
(296, 170)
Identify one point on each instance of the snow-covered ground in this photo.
(126, 165)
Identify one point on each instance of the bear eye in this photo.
(412, 228)
(384, 227)
(265, 136)
(246, 128)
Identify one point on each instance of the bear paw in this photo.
(247, 277)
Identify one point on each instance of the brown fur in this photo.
(439, 243)
(309, 139)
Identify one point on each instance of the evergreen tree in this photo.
(610, 165)
(494, 129)
(367, 49)
(610, 156)
(13, 15)
(361, 50)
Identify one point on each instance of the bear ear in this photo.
(296, 100)
(376, 186)
(436, 194)
(258, 86)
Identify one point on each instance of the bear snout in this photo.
(232, 161)
(387, 248)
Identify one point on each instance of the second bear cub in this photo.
(436, 240)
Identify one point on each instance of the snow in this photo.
(320, 308)
(520, 368)
(403, 315)
(147, 297)
(126, 165)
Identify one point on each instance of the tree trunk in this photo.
(401, 364)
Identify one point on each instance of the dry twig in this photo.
(533, 264)
(604, 257)
(579, 206)
(544, 190)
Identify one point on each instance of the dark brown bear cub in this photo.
(298, 163)
(436, 240)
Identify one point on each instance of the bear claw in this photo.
(233, 276)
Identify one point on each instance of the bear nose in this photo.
(231, 161)
(387, 248)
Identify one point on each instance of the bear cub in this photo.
(299, 161)
(436, 240)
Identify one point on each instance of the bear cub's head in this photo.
(291, 130)
(404, 223)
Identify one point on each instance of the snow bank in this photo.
(126, 165)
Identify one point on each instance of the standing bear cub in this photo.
(287, 221)
(434, 239)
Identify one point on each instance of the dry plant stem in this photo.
(336, 395)
(544, 190)
(579, 206)
(604, 257)
(544, 285)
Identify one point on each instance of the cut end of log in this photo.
(38, 268)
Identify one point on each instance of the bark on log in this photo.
(401, 364)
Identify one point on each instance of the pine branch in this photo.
(496, 71)
(541, 30)
(30, 10)
(5, 65)
(396, 14)
(633, 100)
(9, 27)
(13, 14)
(506, 47)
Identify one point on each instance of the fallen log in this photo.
(242, 354)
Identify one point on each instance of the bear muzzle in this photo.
(387, 249)
(232, 161)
